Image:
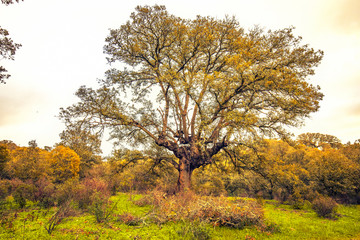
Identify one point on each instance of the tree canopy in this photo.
(198, 86)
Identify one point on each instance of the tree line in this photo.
(289, 171)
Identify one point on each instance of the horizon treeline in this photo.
(293, 171)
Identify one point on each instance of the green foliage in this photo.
(100, 207)
(85, 144)
(208, 181)
(22, 193)
(194, 230)
(140, 171)
(63, 211)
(282, 222)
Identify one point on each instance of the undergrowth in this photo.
(158, 216)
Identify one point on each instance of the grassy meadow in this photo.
(125, 218)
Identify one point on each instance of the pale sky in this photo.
(62, 49)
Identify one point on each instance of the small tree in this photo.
(85, 144)
(198, 86)
(64, 163)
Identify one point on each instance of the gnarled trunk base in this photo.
(185, 172)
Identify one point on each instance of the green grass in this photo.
(291, 224)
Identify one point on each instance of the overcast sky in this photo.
(62, 49)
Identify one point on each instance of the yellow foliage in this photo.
(28, 163)
(65, 163)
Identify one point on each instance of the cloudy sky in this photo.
(62, 42)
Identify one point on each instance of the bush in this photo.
(24, 192)
(64, 210)
(45, 193)
(129, 219)
(194, 230)
(218, 211)
(67, 191)
(4, 192)
(89, 187)
(100, 207)
(325, 207)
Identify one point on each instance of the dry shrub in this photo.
(129, 219)
(89, 188)
(82, 192)
(325, 207)
(64, 210)
(144, 201)
(219, 211)
(101, 207)
(45, 193)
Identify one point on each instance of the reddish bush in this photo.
(325, 207)
(45, 193)
(129, 219)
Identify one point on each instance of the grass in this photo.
(289, 223)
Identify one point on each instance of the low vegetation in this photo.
(141, 217)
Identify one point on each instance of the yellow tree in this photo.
(319, 140)
(332, 173)
(198, 86)
(65, 163)
(28, 163)
(4, 158)
(85, 144)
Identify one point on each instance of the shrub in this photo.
(45, 193)
(89, 187)
(217, 211)
(69, 190)
(100, 207)
(24, 192)
(4, 192)
(129, 219)
(64, 210)
(194, 230)
(325, 207)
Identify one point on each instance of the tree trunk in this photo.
(185, 172)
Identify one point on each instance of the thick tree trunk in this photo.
(185, 172)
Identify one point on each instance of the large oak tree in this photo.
(198, 86)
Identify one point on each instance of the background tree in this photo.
(319, 140)
(333, 174)
(4, 158)
(7, 2)
(28, 163)
(7, 46)
(276, 162)
(198, 86)
(352, 151)
(65, 164)
(85, 144)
